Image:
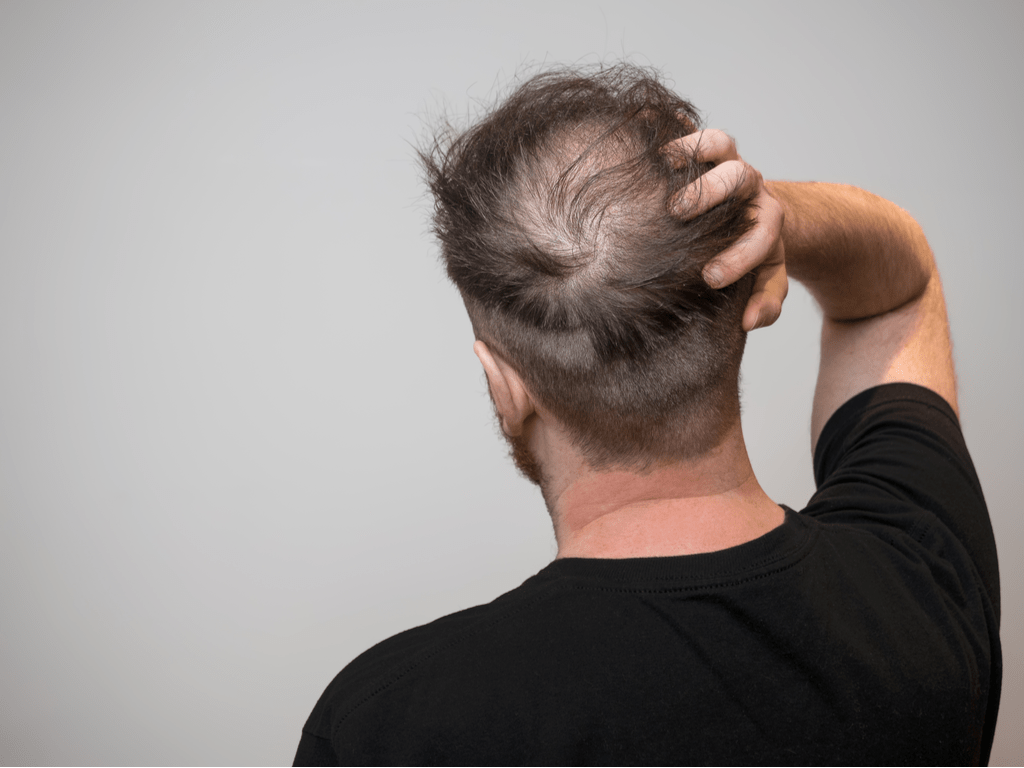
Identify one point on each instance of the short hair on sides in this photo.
(552, 212)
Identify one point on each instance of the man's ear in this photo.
(509, 393)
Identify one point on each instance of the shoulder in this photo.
(407, 676)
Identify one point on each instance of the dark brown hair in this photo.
(554, 222)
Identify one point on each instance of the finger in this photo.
(757, 247)
(732, 178)
(708, 146)
(765, 305)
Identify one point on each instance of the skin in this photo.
(705, 505)
(869, 267)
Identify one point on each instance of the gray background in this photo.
(243, 436)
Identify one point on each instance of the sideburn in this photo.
(524, 459)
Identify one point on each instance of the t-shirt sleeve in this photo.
(897, 447)
(314, 750)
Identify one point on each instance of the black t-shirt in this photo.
(862, 631)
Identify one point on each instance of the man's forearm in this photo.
(857, 254)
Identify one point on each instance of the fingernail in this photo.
(712, 277)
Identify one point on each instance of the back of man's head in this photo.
(554, 219)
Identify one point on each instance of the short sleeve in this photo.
(899, 447)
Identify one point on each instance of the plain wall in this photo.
(243, 435)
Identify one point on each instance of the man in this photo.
(612, 257)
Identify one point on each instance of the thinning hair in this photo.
(554, 222)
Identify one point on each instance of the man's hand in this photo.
(761, 250)
(864, 260)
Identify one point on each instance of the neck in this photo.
(703, 505)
